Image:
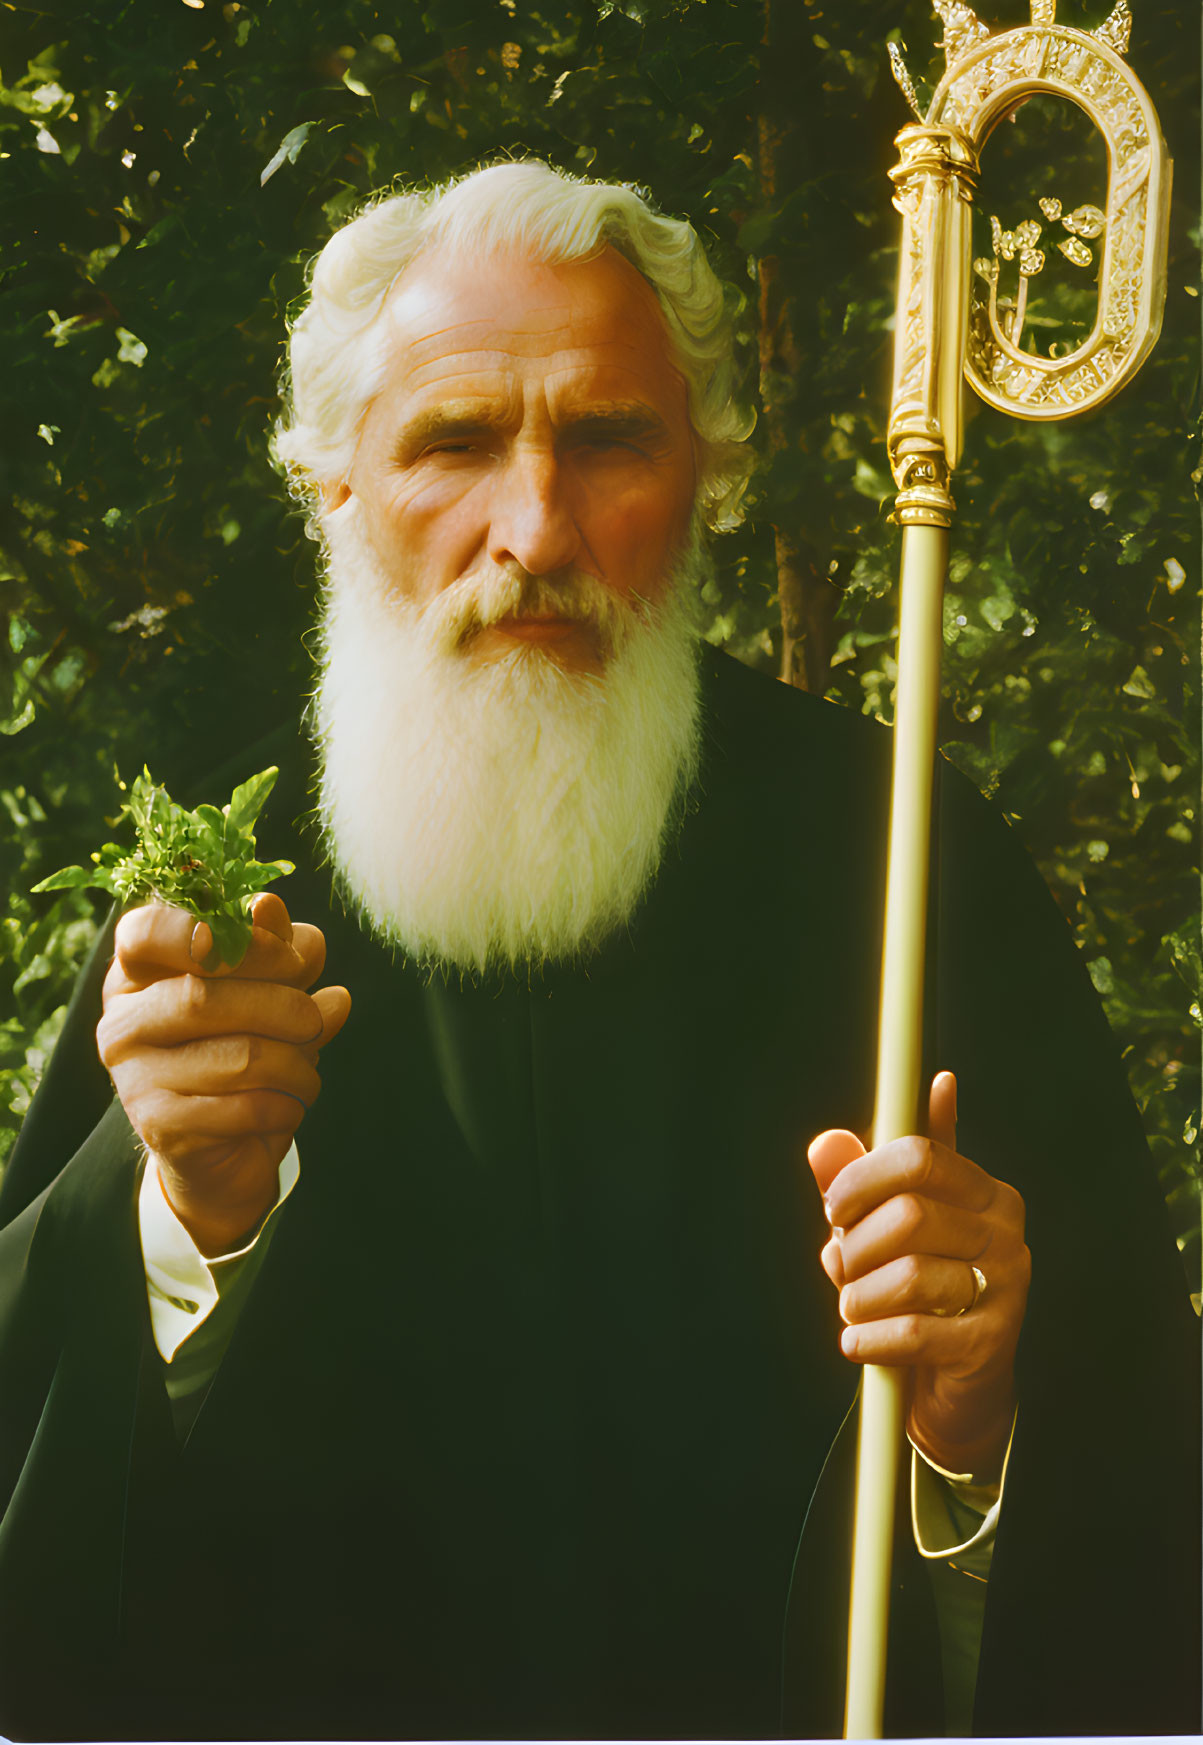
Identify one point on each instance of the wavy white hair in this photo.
(337, 353)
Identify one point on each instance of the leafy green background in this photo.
(169, 166)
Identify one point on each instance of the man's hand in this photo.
(216, 1070)
(910, 1222)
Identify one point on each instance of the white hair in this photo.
(337, 351)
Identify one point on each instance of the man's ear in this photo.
(334, 495)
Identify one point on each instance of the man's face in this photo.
(531, 419)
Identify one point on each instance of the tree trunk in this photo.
(806, 597)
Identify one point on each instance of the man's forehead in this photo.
(449, 306)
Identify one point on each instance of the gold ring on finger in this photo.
(979, 1291)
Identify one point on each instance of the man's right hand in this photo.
(216, 1069)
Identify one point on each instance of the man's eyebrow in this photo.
(449, 419)
(631, 419)
(620, 420)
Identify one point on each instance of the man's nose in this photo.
(532, 521)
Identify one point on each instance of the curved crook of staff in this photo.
(943, 331)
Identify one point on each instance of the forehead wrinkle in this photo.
(559, 349)
(485, 374)
(495, 376)
(537, 332)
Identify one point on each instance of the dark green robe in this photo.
(520, 1426)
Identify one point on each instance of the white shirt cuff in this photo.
(181, 1285)
(951, 1516)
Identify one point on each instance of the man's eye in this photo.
(600, 442)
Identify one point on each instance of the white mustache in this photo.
(473, 603)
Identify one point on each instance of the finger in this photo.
(927, 1340)
(942, 1110)
(334, 1004)
(832, 1261)
(913, 1165)
(909, 1224)
(296, 961)
(309, 945)
(921, 1284)
(221, 1066)
(159, 939)
(188, 1008)
(269, 911)
(829, 1152)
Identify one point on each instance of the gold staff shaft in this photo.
(938, 340)
(934, 182)
(899, 1065)
(883, 1391)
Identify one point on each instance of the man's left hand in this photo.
(911, 1221)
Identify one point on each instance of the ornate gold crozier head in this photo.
(950, 315)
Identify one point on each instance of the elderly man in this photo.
(491, 1393)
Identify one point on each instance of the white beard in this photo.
(484, 815)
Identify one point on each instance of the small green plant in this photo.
(202, 861)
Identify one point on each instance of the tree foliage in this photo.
(170, 166)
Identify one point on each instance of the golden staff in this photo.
(945, 327)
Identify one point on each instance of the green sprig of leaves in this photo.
(202, 861)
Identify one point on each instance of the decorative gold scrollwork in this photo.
(934, 182)
(1006, 319)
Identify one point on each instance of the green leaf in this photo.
(209, 832)
(248, 801)
(1101, 974)
(288, 151)
(69, 878)
(1186, 954)
(231, 936)
(259, 874)
(1140, 685)
(36, 970)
